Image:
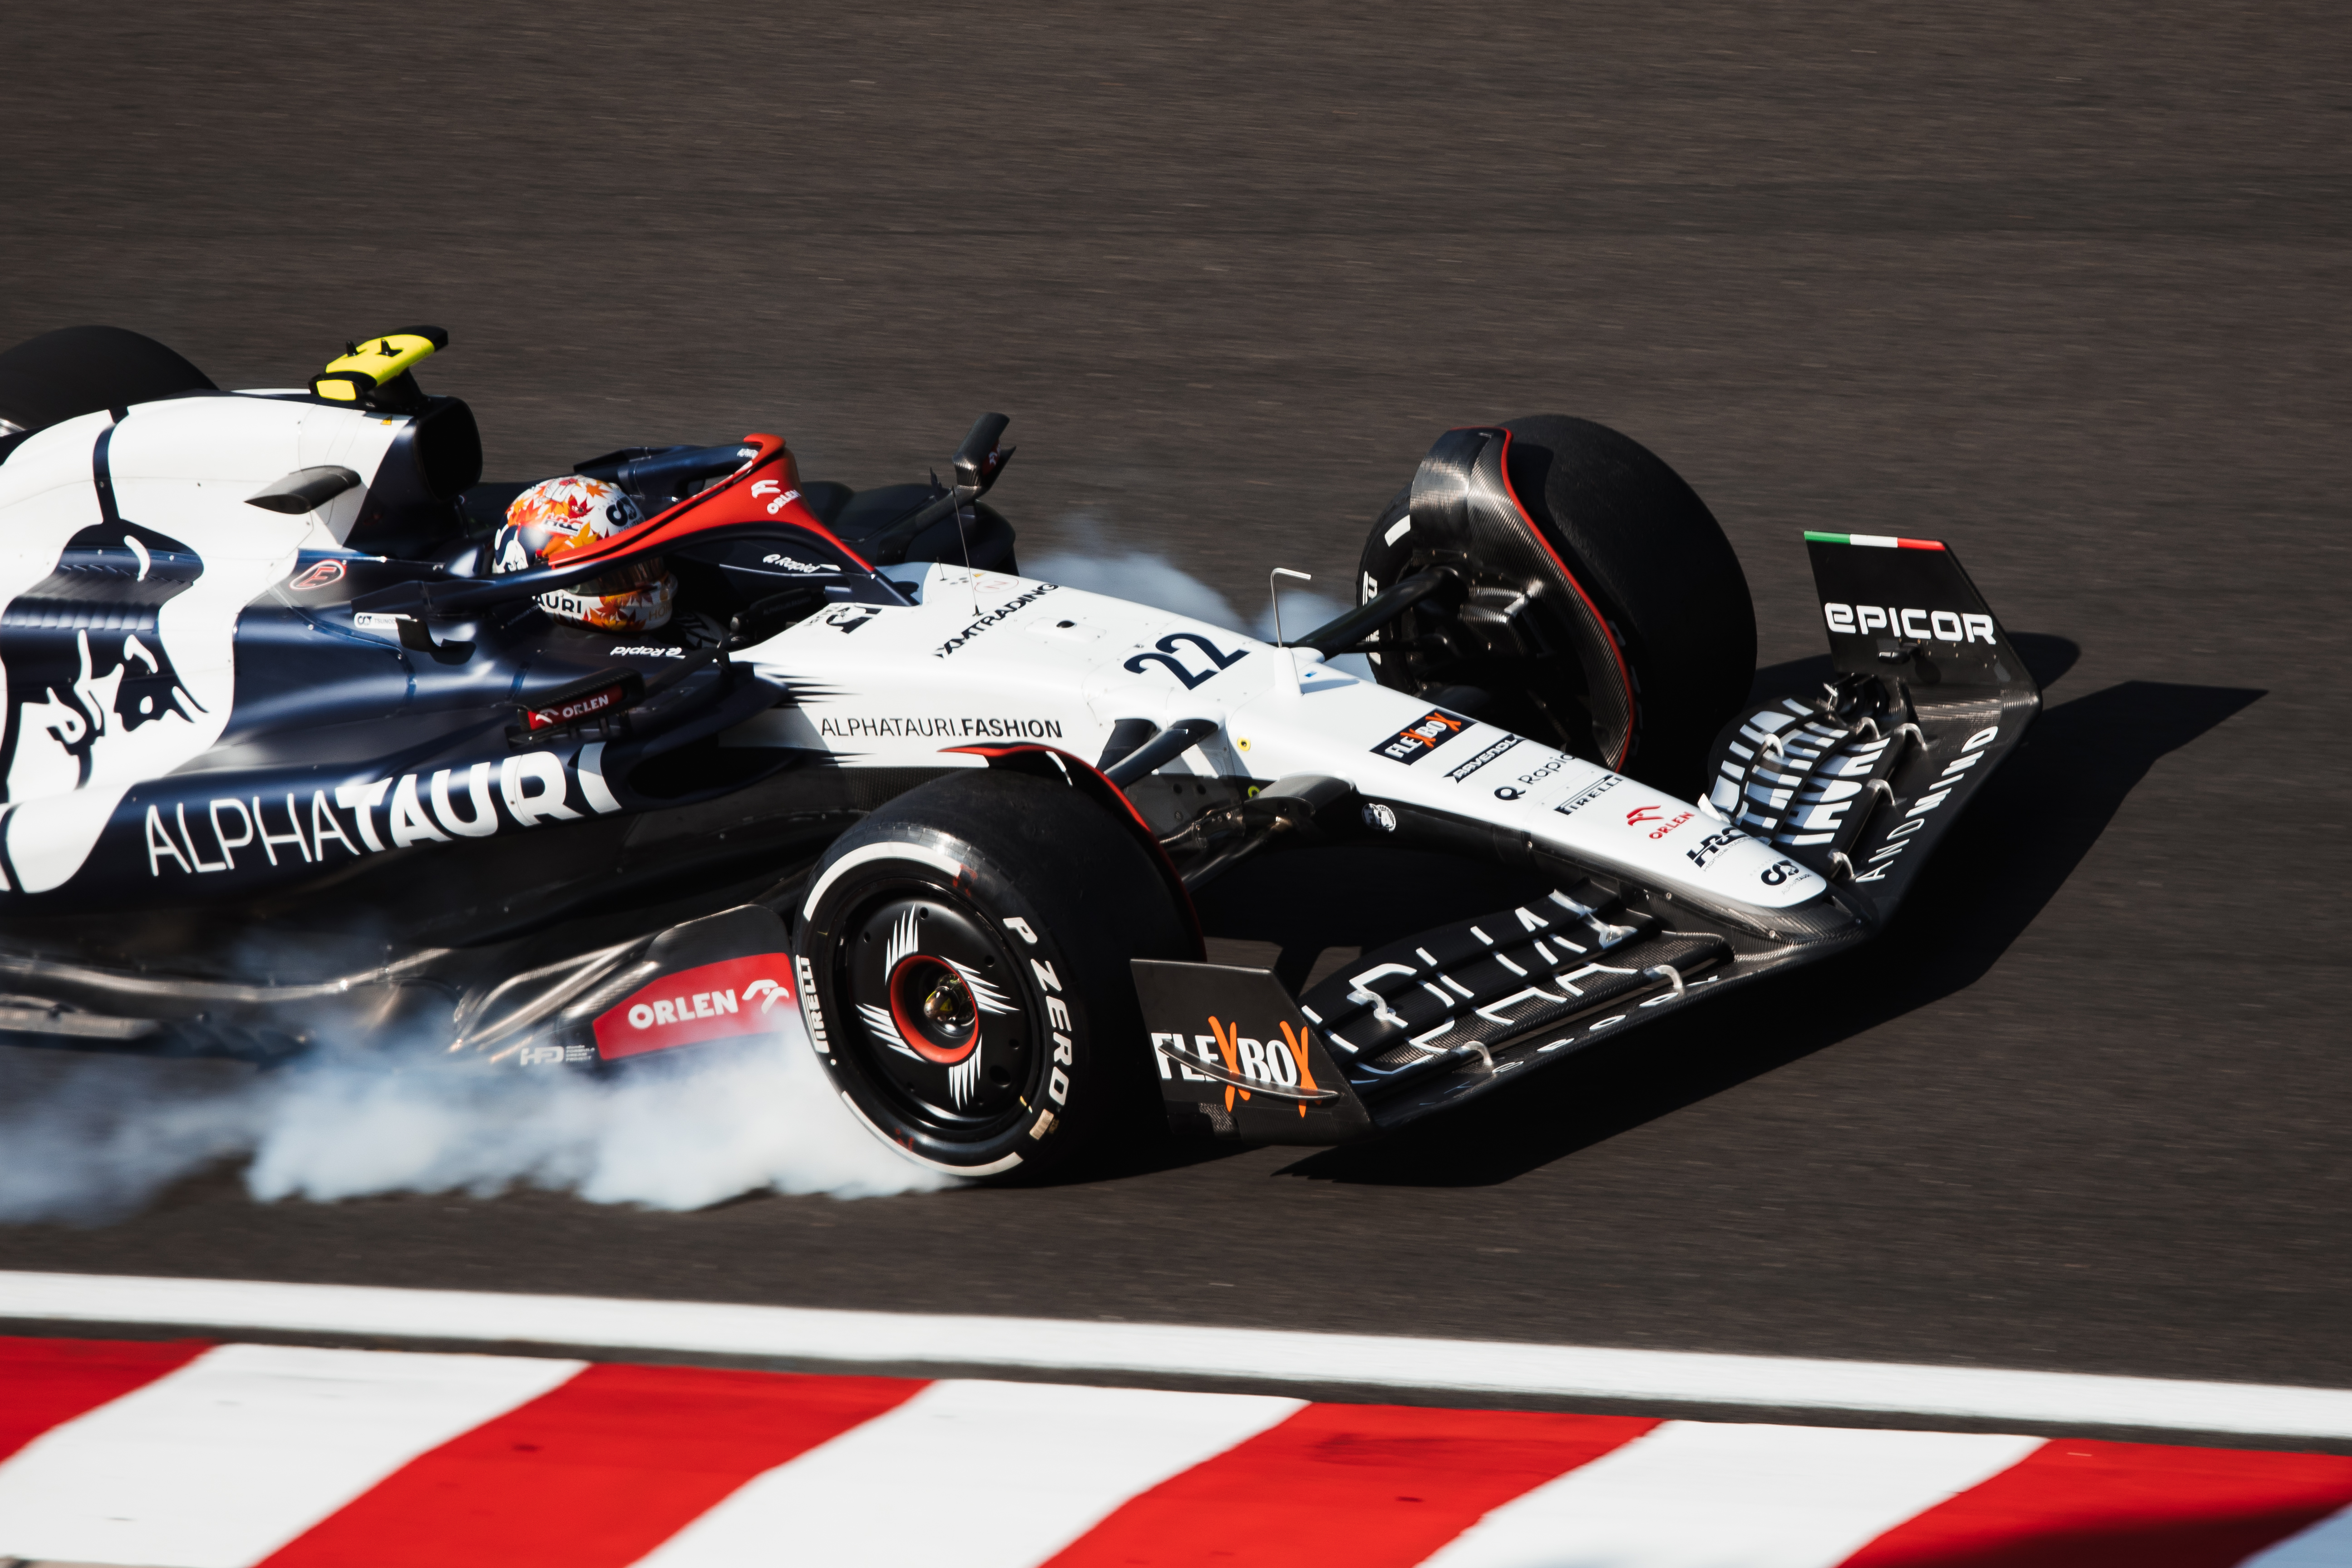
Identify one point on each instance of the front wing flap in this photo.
(1442, 1016)
(1233, 1051)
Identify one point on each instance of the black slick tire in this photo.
(80, 370)
(1645, 552)
(963, 954)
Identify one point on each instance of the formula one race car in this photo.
(303, 748)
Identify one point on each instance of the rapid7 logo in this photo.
(1166, 656)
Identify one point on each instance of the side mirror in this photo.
(977, 463)
(980, 460)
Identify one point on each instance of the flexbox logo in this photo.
(1227, 1056)
(1421, 737)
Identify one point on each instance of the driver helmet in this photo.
(556, 517)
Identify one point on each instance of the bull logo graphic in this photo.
(86, 660)
(93, 699)
(120, 661)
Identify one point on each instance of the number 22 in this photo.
(1167, 656)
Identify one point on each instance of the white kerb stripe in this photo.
(968, 1475)
(226, 1460)
(1289, 1355)
(2328, 1544)
(1694, 1495)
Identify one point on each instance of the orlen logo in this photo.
(317, 576)
(770, 487)
(711, 1002)
(1919, 626)
(1231, 1057)
(1642, 814)
(581, 707)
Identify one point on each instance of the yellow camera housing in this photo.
(372, 363)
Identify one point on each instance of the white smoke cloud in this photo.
(1147, 577)
(1142, 575)
(667, 1135)
(88, 1140)
(98, 1139)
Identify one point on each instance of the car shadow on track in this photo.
(2028, 830)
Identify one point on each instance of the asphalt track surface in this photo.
(2064, 287)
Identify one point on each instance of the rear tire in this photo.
(1657, 566)
(73, 370)
(963, 952)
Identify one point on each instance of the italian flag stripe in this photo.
(1876, 541)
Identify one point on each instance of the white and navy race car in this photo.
(286, 764)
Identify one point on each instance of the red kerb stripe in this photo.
(600, 1471)
(2073, 1502)
(48, 1383)
(1365, 1485)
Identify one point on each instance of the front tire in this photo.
(963, 955)
(1643, 687)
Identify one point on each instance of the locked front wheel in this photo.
(965, 953)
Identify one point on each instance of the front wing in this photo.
(1857, 785)
(1438, 1019)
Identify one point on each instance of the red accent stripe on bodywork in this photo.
(1902, 544)
(1091, 779)
(48, 1383)
(723, 504)
(2072, 1501)
(593, 1475)
(1372, 1486)
(1624, 676)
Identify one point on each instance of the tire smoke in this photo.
(1147, 577)
(86, 1142)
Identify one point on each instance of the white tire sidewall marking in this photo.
(888, 849)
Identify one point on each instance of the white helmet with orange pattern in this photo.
(556, 518)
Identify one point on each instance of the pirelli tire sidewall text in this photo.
(1065, 897)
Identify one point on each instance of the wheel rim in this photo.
(934, 1010)
(935, 1013)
